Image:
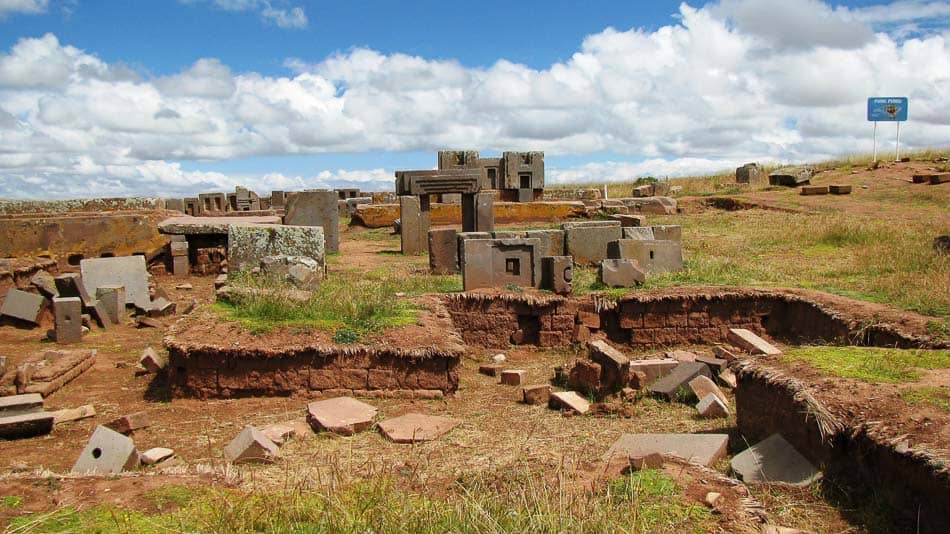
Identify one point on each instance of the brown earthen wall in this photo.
(498, 323)
(215, 375)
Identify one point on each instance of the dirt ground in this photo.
(496, 432)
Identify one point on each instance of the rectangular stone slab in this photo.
(127, 271)
(679, 377)
(748, 341)
(20, 404)
(416, 427)
(209, 225)
(703, 449)
(249, 244)
(22, 305)
(26, 425)
(774, 460)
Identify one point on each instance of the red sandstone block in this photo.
(642, 336)
(562, 323)
(697, 319)
(537, 394)
(128, 423)
(354, 378)
(653, 320)
(552, 339)
(589, 319)
(324, 379)
(382, 379)
(581, 333)
(512, 377)
(425, 379)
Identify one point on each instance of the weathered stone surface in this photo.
(747, 173)
(728, 378)
(22, 305)
(443, 251)
(536, 394)
(659, 205)
(279, 433)
(491, 369)
(301, 272)
(414, 224)
(703, 385)
(585, 375)
(552, 241)
(416, 427)
(725, 353)
(161, 307)
(44, 281)
(342, 415)
(654, 256)
(615, 367)
(500, 262)
(112, 299)
(621, 273)
(704, 449)
(25, 425)
(667, 232)
(316, 208)
(587, 242)
(126, 271)
(557, 274)
(639, 232)
(250, 446)
(73, 414)
(712, 406)
(512, 377)
(569, 400)
(669, 386)
(129, 423)
(814, 190)
(70, 285)
(20, 404)
(249, 244)
(653, 460)
(156, 455)
(210, 225)
(774, 460)
(791, 176)
(384, 215)
(839, 189)
(629, 221)
(715, 364)
(67, 313)
(749, 342)
(653, 369)
(107, 453)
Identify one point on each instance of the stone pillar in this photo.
(469, 212)
(413, 224)
(179, 250)
(484, 212)
(443, 251)
(68, 317)
(316, 208)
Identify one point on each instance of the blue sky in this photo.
(171, 97)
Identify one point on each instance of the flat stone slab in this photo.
(210, 225)
(26, 425)
(416, 427)
(156, 454)
(748, 341)
(570, 400)
(774, 460)
(107, 453)
(20, 404)
(342, 415)
(248, 244)
(22, 305)
(668, 386)
(126, 271)
(703, 449)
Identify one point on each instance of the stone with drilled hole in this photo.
(107, 453)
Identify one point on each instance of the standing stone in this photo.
(126, 271)
(107, 453)
(621, 273)
(67, 313)
(557, 274)
(250, 446)
(443, 251)
(747, 173)
(587, 241)
(774, 460)
(112, 299)
(413, 224)
(22, 305)
(249, 244)
(478, 212)
(316, 208)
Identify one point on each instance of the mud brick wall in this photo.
(500, 322)
(214, 374)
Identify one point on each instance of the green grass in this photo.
(646, 501)
(937, 396)
(348, 303)
(872, 364)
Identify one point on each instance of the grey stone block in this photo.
(704, 449)
(587, 242)
(774, 460)
(791, 176)
(500, 262)
(107, 453)
(249, 244)
(20, 404)
(653, 257)
(552, 241)
(638, 232)
(67, 312)
(112, 299)
(250, 446)
(443, 251)
(669, 386)
(668, 232)
(45, 282)
(615, 367)
(22, 305)
(316, 208)
(747, 173)
(621, 273)
(126, 271)
(25, 425)
(557, 274)
(413, 225)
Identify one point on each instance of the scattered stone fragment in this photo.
(713, 499)
(279, 433)
(814, 190)
(704, 449)
(148, 322)
(129, 423)
(250, 446)
(748, 341)
(703, 385)
(681, 355)
(112, 299)
(107, 453)
(70, 285)
(190, 307)
(536, 394)
(156, 455)
(774, 460)
(652, 370)
(416, 427)
(498, 358)
(711, 407)
(22, 305)
(20, 404)
(73, 414)
(715, 364)
(512, 377)
(341, 415)
(153, 361)
(98, 311)
(653, 460)
(725, 353)
(490, 369)
(44, 282)
(585, 375)
(839, 189)
(220, 281)
(669, 386)
(184, 287)
(161, 307)
(569, 400)
(25, 425)
(621, 273)
(728, 378)
(615, 367)
(940, 178)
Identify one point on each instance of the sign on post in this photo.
(888, 109)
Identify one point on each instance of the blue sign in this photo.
(887, 108)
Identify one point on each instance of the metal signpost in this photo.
(890, 109)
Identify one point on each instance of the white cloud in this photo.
(272, 12)
(30, 7)
(701, 95)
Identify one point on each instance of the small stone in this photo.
(416, 427)
(728, 378)
(711, 406)
(569, 400)
(153, 361)
(498, 358)
(155, 455)
(184, 287)
(537, 394)
(653, 460)
(279, 433)
(713, 499)
(342, 415)
(512, 377)
(702, 386)
(490, 370)
(250, 446)
(128, 423)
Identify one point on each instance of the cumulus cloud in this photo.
(271, 12)
(705, 93)
(30, 7)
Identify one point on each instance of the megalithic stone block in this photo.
(70, 285)
(749, 342)
(22, 305)
(26, 425)
(112, 298)
(67, 312)
(316, 208)
(557, 274)
(669, 386)
(107, 453)
(250, 446)
(443, 251)
(127, 271)
(414, 227)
